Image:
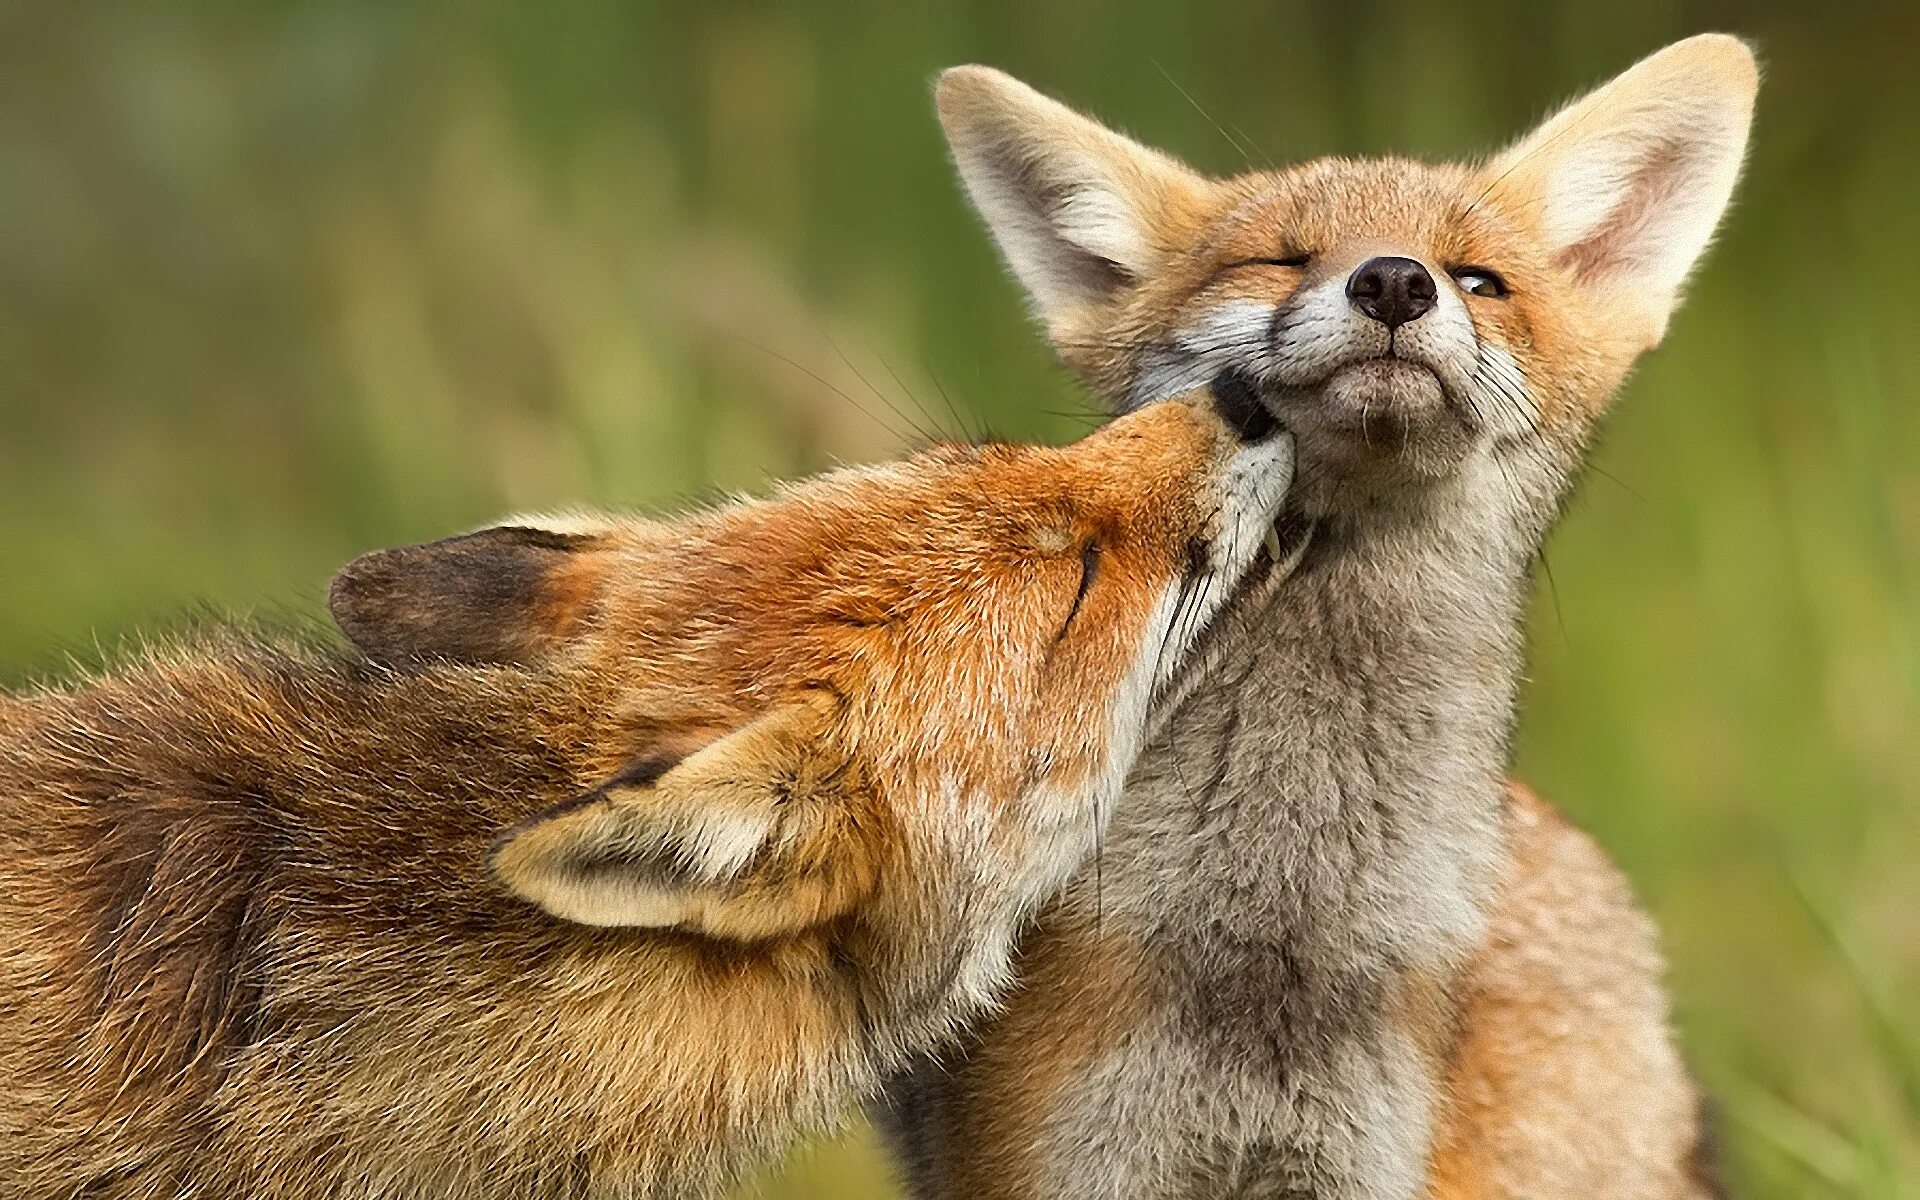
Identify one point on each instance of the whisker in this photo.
(917, 402)
(1159, 661)
(972, 435)
(924, 434)
(810, 373)
(1553, 591)
(1188, 97)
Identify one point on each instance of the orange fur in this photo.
(812, 758)
(1564, 1078)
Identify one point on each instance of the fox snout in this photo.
(1369, 362)
(1392, 290)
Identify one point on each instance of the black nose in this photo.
(1391, 290)
(1238, 402)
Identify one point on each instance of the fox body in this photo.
(1329, 951)
(627, 849)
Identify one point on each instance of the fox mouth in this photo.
(1388, 411)
(1282, 553)
(1389, 384)
(1280, 550)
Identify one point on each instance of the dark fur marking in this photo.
(1292, 529)
(641, 772)
(660, 866)
(1239, 404)
(1199, 557)
(472, 598)
(1089, 567)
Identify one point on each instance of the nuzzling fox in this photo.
(1329, 951)
(626, 851)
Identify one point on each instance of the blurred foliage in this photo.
(280, 283)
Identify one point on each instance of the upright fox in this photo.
(1329, 951)
(779, 781)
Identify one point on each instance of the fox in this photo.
(1331, 950)
(617, 852)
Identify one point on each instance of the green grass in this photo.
(282, 283)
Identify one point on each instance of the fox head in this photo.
(1414, 325)
(885, 690)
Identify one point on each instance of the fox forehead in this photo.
(1135, 479)
(1329, 198)
(803, 571)
(1340, 209)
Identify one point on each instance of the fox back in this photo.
(624, 852)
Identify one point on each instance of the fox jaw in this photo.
(904, 695)
(1415, 325)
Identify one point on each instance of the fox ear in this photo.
(1080, 212)
(511, 594)
(750, 837)
(1626, 184)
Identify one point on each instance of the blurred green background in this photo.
(279, 284)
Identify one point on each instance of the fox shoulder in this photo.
(1565, 1000)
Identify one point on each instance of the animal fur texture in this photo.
(628, 851)
(1330, 952)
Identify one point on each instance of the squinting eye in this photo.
(1479, 281)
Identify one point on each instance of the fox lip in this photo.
(1384, 403)
(1303, 357)
(1390, 358)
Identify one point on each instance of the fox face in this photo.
(839, 697)
(1413, 324)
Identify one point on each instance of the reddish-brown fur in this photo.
(249, 946)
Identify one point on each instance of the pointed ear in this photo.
(754, 836)
(1080, 212)
(511, 594)
(1626, 184)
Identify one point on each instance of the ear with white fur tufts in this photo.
(1626, 184)
(1080, 212)
(750, 837)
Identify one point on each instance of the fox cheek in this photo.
(1234, 335)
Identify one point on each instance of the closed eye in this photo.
(1089, 567)
(1294, 261)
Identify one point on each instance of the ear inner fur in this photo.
(1076, 208)
(738, 839)
(1626, 184)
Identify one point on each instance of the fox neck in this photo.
(934, 958)
(1335, 792)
